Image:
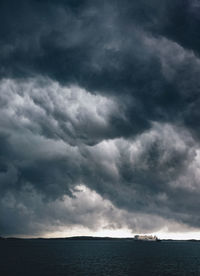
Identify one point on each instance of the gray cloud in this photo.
(146, 176)
(103, 95)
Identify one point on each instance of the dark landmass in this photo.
(91, 238)
(87, 238)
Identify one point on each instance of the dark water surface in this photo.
(64, 257)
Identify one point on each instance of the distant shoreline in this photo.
(91, 238)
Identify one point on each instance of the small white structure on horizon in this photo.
(145, 238)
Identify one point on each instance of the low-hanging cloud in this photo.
(101, 95)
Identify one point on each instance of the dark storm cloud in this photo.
(103, 94)
(100, 46)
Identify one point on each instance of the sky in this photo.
(99, 118)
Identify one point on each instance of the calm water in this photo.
(98, 258)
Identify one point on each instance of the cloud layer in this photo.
(103, 96)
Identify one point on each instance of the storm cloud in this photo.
(99, 116)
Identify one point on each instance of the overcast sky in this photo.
(99, 117)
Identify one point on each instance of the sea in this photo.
(98, 257)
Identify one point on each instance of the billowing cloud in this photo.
(99, 112)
